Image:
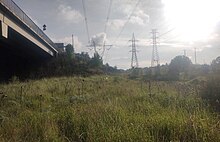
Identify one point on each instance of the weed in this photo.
(96, 109)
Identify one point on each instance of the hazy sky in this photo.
(187, 24)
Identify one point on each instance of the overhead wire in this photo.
(106, 24)
(128, 21)
(160, 23)
(169, 26)
(156, 21)
(122, 29)
(86, 21)
(107, 19)
(166, 32)
(108, 14)
(170, 39)
(159, 26)
(105, 28)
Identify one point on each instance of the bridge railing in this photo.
(17, 11)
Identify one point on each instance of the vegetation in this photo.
(179, 66)
(211, 92)
(216, 65)
(69, 64)
(104, 108)
(179, 101)
(180, 69)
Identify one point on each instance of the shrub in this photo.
(211, 92)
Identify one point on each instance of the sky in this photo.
(181, 25)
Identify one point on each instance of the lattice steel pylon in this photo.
(134, 60)
(155, 55)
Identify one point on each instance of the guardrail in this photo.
(19, 13)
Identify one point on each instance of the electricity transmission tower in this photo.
(155, 55)
(102, 48)
(134, 60)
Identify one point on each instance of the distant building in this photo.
(60, 47)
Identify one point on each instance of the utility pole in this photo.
(134, 60)
(195, 56)
(73, 42)
(155, 55)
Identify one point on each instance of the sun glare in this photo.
(193, 20)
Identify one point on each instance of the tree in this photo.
(179, 66)
(69, 50)
(96, 61)
(216, 65)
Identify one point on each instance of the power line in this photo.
(166, 32)
(170, 39)
(127, 21)
(105, 29)
(92, 42)
(86, 22)
(106, 54)
(108, 14)
(104, 48)
(160, 27)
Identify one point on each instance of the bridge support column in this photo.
(4, 30)
(4, 26)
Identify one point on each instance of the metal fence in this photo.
(13, 7)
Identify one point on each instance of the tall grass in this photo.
(101, 108)
(210, 92)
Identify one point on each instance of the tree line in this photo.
(180, 68)
(70, 63)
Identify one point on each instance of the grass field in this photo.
(103, 108)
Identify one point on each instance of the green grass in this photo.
(104, 109)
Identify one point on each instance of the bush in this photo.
(211, 92)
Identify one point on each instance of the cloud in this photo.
(116, 24)
(120, 58)
(69, 14)
(124, 42)
(174, 45)
(137, 20)
(77, 44)
(98, 39)
(144, 63)
(125, 8)
(140, 17)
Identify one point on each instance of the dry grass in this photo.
(103, 109)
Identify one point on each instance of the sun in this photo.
(193, 20)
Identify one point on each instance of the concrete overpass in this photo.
(22, 43)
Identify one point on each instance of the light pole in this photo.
(73, 42)
(44, 27)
